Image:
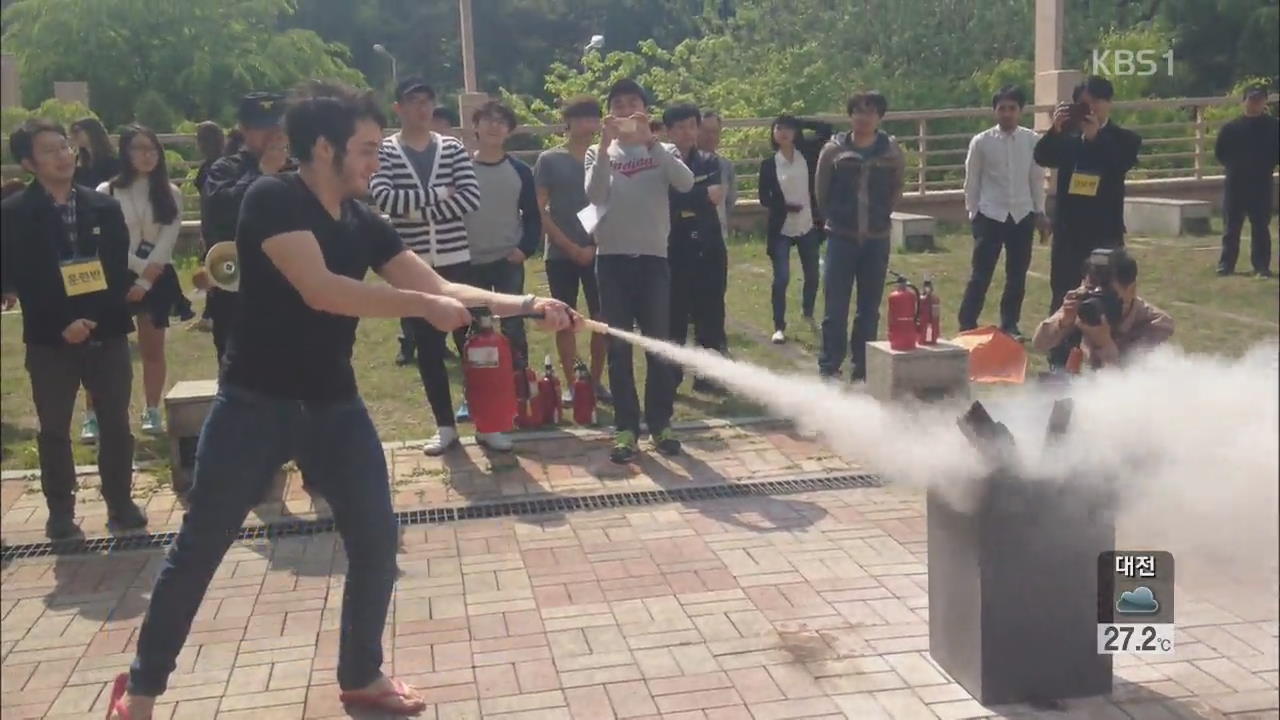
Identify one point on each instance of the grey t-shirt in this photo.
(632, 184)
(564, 178)
(421, 161)
(494, 230)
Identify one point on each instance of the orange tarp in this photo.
(994, 357)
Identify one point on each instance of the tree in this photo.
(199, 56)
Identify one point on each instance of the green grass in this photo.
(1215, 315)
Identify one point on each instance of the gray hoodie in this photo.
(632, 190)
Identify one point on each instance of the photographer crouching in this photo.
(1104, 318)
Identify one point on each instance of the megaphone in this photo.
(223, 265)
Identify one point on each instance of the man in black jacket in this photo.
(699, 259)
(265, 152)
(1249, 148)
(1092, 155)
(65, 258)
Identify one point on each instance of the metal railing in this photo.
(1177, 142)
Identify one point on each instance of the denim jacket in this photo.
(857, 188)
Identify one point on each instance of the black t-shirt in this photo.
(280, 346)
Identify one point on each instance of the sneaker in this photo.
(566, 398)
(624, 447)
(89, 431)
(779, 337)
(1225, 272)
(857, 375)
(62, 527)
(498, 442)
(444, 440)
(405, 355)
(603, 395)
(1264, 273)
(1013, 332)
(464, 413)
(126, 517)
(152, 423)
(666, 443)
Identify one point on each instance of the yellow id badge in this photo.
(1084, 184)
(80, 277)
(686, 214)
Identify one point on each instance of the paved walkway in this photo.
(761, 608)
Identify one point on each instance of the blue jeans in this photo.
(847, 262)
(245, 440)
(808, 246)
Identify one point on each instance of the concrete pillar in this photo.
(72, 91)
(1053, 83)
(468, 47)
(467, 105)
(10, 81)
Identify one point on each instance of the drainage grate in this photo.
(506, 508)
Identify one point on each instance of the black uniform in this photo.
(1249, 148)
(228, 179)
(698, 258)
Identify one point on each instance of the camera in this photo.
(1100, 300)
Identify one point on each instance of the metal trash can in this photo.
(1013, 584)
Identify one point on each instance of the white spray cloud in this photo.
(1191, 442)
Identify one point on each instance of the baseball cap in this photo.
(261, 110)
(413, 85)
(1254, 91)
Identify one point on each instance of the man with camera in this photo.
(1105, 316)
(1092, 155)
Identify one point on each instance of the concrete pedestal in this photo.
(1013, 589)
(929, 372)
(1167, 217)
(186, 406)
(912, 232)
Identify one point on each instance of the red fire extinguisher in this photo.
(927, 325)
(584, 396)
(490, 385)
(526, 397)
(904, 302)
(549, 396)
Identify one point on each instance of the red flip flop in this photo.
(394, 701)
(116, 705)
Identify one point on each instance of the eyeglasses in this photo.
(56, 150)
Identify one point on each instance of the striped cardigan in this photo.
(424, 212)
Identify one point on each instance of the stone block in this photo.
(1167, 217)
(926, 373)
(186, 405)
(912, 232)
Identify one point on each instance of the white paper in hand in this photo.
(590, 216)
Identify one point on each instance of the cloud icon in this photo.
(1139, 601)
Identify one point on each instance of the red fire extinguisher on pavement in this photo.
(904, 303)
(584, 396)
(930, 312)
(487, 370)
(526, 396)
(549, 396)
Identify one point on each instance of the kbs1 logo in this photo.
(1142, 63)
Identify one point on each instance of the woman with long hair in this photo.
(786, 191)
(96, 160)
(153, 211)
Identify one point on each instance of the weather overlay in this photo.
(1135, 602)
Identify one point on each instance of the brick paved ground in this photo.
(762, 608)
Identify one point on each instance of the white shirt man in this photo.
(1004, 195)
